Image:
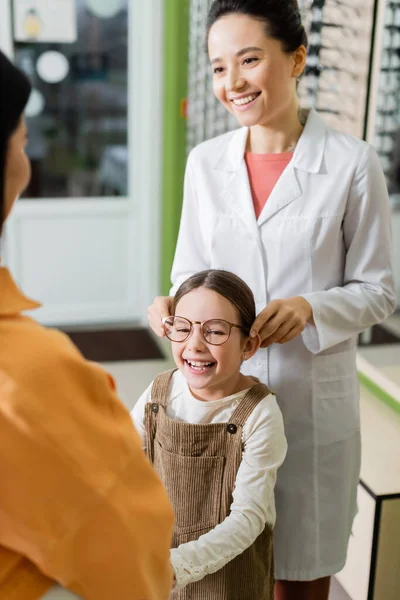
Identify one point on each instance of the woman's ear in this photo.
(251, 346)
(300, 58)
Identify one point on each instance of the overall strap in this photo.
(159, 395)
(251, 399)
(159, 391)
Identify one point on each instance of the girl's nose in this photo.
(196, 340)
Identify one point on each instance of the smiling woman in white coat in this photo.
(301, 213)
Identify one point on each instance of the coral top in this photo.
(79, 501)
(264, 171)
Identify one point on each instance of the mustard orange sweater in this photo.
(79, 502)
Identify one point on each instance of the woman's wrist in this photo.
(308, 310)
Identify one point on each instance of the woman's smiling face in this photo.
(252, 75)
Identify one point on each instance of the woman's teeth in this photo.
(247, 100)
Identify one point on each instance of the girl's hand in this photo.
(160, 308)
(173, 577)
(282, 321)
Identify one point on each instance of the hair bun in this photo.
(282, 18)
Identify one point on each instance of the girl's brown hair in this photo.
(226, 284)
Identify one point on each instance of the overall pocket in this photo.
(194, 487)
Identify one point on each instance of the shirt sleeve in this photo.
(97, 519)
(253, 503)
(367, 296)
(191, 254)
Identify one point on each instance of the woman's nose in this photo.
(235, 82)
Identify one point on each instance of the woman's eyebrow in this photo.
(240, 53)
(248, 49)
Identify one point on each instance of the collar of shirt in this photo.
(12, 300)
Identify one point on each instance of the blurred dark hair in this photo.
(282, 19)
(14, 95)
(229, 286)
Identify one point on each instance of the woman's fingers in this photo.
(291, 335)
(282, 320)
(275, 338)
(160, 308)
(271, 328)
(264, 317)
(157, 327)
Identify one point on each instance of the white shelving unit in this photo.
(372, 571)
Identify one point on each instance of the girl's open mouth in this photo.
(199, 367)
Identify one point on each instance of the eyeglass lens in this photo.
(215, 331)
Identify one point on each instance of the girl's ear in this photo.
(251, 346)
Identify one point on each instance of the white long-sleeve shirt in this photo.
(253, 506)
(58, 593)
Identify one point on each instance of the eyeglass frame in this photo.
(231, 325)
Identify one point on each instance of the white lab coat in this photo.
(325, 234)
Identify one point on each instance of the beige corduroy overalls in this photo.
(198, 466)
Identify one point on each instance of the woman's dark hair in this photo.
(229, 286)
(282, 19)
(14, 95)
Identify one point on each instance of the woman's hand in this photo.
(160, 308)
(282, 321)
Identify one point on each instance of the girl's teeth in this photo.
(247, 100)
(199, 365)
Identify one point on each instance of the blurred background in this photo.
(122, 92)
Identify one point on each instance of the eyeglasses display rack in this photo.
(384, 122)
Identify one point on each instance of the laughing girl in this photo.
(216, 438)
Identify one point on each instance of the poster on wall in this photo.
(45, 21)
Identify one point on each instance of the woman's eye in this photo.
(214, 332)
(248, 61)
(218, 70)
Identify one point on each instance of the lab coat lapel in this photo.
(237, 197)
(237, 193)
(286, 190)
(307, 157)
